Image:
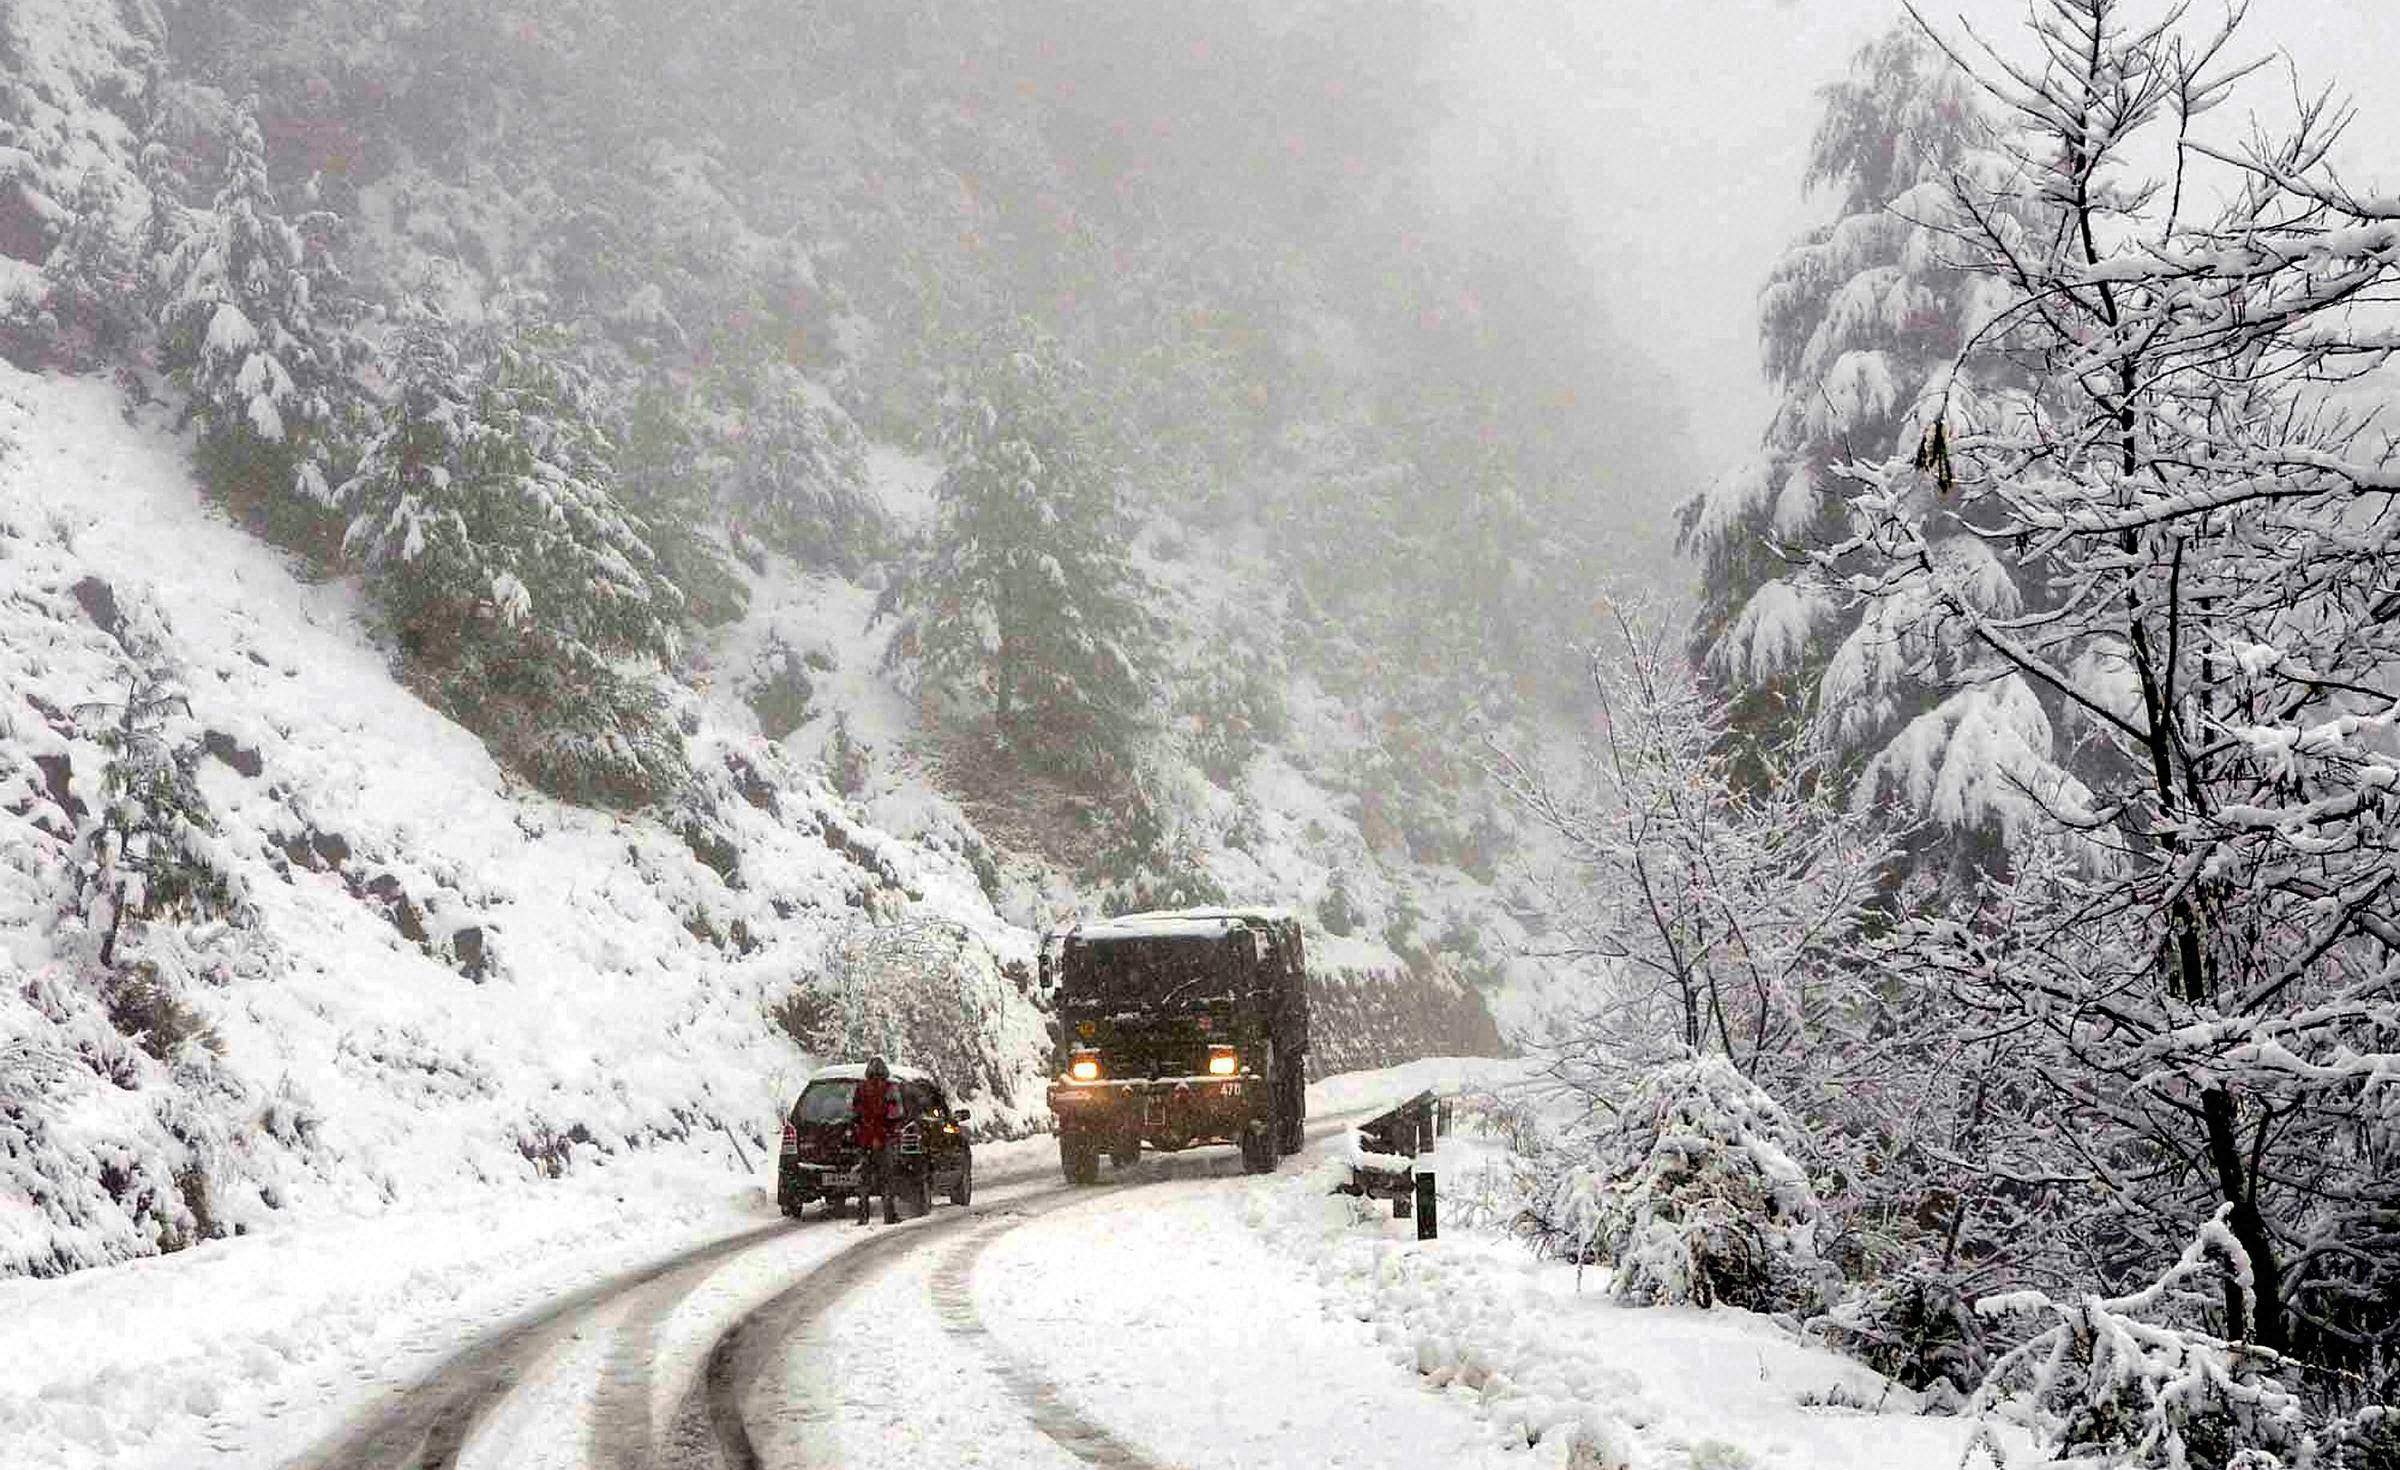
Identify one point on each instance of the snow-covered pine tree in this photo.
(2194, 963)
(153, 848)
(790, 471)
(1861, 323)
(516, 583)
(1025, 594)
(253, 332)
(663, 480)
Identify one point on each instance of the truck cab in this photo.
(1177, 1029)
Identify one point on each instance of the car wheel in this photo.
(1079, 1159)
(963, 1192)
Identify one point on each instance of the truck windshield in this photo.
(1153, 972)
(825, 1102)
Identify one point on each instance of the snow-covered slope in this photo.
(436, 978)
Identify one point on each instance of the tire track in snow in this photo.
(712, 1417)
(714, 1409)
(953, 1290)
(954, 1300)
(429, 1422)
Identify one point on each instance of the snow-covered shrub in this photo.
(1693, 1194)
(1227, 707)
(2124, 1377)
(926, 993)
(89, 311)
(1915, 1326)
(780, 685)
(1337, 911)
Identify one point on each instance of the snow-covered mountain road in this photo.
(742, 1351)
(654, 1314)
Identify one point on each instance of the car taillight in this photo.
(791, 1139)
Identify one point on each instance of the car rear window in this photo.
(824, 1102)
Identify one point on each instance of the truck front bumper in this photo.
(1163, 1112)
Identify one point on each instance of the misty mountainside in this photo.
(559, 566)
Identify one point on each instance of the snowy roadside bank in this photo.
(193, 1358)
(1550, 1363)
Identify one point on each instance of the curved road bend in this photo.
(425, 1425)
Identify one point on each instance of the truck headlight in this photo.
(1223, 1061)
(1085, 1067)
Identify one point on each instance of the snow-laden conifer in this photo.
(790, 472)
(1861, 324)
(1024, 596)
(249, 332)
(482, 509)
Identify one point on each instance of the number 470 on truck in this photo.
(1177, 1029)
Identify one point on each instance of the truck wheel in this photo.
(963, 1191)
(1127, 1154)
(1295, 1111)
(1079, 1158)
(1258, 1148)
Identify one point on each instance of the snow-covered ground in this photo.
(1546, 1360)
(1271, 1323)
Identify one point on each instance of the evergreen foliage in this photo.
(791, 474)
(153, 852)
(527, 597)
(1693, 1192)
(1861, 323)
(1025, 597)
(252, 329)
(92, 310)
(663, 480)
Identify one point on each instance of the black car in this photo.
(821, 1158)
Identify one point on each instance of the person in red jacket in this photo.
(875, 1122)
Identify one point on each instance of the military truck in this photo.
(1177, 1029)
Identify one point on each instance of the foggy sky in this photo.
(1681, 128)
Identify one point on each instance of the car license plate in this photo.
(841, 1181)
(1154, 1111)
